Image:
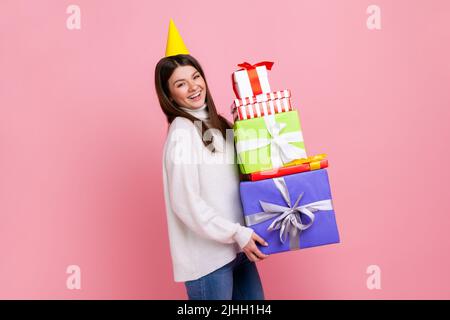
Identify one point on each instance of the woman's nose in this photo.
(193, 86)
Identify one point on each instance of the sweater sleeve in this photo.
(184, 193)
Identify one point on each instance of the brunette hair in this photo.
(163, 72)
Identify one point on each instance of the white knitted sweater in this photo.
(201, 190)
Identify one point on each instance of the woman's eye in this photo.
(196, 76)
(181, 84)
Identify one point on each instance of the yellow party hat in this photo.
(175, 44)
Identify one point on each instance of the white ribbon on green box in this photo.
(279, 142)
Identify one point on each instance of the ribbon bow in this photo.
(281, 151)
(248, 66)
(288, 219)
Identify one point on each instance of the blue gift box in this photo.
(291, 212)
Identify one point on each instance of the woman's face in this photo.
(187, 87)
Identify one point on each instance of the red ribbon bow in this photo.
(249, 66)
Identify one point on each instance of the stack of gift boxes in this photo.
(285, 194)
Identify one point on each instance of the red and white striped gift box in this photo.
(262, 97)
(262, 105)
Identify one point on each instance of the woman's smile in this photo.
(196, 96)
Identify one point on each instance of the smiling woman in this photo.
(212, 251)
(181, 87)
(187, 87)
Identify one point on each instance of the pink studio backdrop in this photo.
(81, 137)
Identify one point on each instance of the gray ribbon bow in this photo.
(287, 219)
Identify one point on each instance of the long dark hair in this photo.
(163, 72)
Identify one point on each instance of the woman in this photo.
(212, 252)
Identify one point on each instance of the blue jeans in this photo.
(237, 280)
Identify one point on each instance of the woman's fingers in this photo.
(251, 249)
(259, 239)
(252, 257)
(259, 254)
(255, 252)
(248, 254)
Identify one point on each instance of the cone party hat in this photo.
(175, 44)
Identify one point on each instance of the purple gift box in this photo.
(291, 212)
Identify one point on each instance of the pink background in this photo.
(81, 136)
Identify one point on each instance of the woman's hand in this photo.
(252, 251)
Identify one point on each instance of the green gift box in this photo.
(268, 142)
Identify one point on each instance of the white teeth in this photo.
(194, 96)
